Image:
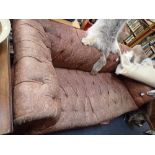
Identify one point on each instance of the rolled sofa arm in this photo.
(36, 89)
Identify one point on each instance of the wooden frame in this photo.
(73, 24)
(6, 119)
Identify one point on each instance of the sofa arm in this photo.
(136, 88)
(36, 90)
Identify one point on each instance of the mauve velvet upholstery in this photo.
(53, 89)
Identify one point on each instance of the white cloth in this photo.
(143, 72)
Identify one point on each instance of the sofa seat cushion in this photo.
(85, 100)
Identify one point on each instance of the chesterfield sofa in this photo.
(53, 89)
